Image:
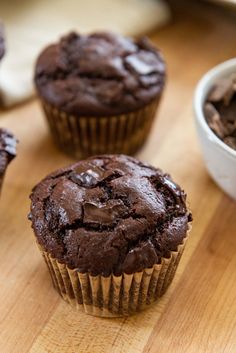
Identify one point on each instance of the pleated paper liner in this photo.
(113, 296)
(85, 136)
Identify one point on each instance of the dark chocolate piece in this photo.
(220, 110)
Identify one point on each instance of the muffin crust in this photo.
(109, 214)
(99, 74)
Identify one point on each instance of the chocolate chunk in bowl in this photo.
(220, 110)
(214, 108)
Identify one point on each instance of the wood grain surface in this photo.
(198, 313)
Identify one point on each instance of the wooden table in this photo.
(198, 313)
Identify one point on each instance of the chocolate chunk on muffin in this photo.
(220, 110)
(110, 216)
(103, 88)
(7, 151)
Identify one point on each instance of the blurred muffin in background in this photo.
(7, 151)
(2, 41)
(100, 92)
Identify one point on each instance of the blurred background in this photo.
(32, 24)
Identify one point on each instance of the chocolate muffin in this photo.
(7, 151)
(2, 41)
(111, 230)
(100, 91)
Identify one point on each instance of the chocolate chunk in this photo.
(230, 141)
(141, 257)
(214, 120)
(102, 213)
(223, 90)
(89, 177)
(145, 63)
(220, 110)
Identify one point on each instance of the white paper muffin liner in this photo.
(113, 296)
(81, 136)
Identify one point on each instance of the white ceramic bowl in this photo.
(220, 159)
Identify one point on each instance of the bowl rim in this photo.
(210, 76)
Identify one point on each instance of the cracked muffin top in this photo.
(99, 74)
(7, 148)
(109, 214)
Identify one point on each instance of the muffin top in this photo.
(2, 41)
(109, 214)
(99, 74)
(7, 148)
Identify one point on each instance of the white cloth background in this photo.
(32, 24)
